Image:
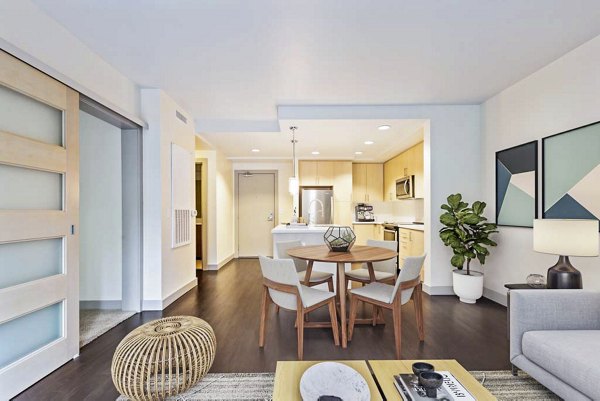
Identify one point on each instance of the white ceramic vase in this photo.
(468, 288)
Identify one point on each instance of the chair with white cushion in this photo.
(385, 271)
(393, 297)
(282, 287)
(315, 278)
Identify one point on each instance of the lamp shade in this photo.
(293, 185)
(566, 237)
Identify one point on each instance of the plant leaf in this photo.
(454, 200)
(458, 261)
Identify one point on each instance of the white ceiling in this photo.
(334, 139)
(238, 59)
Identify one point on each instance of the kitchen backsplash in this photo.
(404, 210)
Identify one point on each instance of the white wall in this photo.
(100, 254)
(219, 208)
(561, 96)
(30, 34)
(452, 164)
(167, 272)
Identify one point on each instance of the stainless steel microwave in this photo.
(405, 187)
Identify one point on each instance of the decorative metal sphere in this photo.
(339, 239)
(163, 358)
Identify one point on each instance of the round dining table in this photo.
(357, 254)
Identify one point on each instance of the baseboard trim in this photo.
(108, 304)
(155, 304)
(438, 290)
(222, 263)
(495, 296)
(174, 296)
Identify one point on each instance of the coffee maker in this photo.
(364, 213)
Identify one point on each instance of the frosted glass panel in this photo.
(22, 336)
(25, 116)
(21, 262)
(23, 188)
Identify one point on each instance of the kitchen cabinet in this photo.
(411, 243)
(307, 173)
(343, 213)
(367, 182)
(342, 182)
(366, 232)
(317, 172)
(409, 162)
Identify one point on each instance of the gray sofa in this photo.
(555, 338)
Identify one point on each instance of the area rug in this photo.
(95, 322)
(259, 387)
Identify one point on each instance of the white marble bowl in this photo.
(336, 379)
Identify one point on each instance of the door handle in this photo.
(270, 217)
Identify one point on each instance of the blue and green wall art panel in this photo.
(516, 185)
(571, 174)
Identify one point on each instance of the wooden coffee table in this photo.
(384, 372)
(288, 374)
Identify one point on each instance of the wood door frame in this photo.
(204, 208)
(236, 194)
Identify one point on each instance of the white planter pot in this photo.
(468, 288)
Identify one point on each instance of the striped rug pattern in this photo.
(259, 387)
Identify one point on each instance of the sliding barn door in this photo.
(39, 201)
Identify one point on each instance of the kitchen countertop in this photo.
(416, 227)
(366, 222)
(284, 229)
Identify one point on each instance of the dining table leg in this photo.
(341, 274)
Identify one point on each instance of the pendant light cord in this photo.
(294, 147)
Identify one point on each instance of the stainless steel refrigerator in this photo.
(316, 204)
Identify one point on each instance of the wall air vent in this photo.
(180, 117)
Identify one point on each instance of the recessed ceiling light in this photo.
(384, 127)
(358, 153)
(369, 142)
(256, 150)
(316, 152)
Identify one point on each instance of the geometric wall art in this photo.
(517, 185)
(571, 173)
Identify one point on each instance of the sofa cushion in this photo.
(571, 355)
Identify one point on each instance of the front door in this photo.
(256, 213)
(39, 212)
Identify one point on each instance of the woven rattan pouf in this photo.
(163, 358)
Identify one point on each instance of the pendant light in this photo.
(293, 181)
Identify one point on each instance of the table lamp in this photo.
(565, 238)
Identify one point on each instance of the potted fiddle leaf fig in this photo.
(467, 232)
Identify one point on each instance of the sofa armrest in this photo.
(551, 310)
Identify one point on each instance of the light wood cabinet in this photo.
(307, 173)
(325, 173)
(317, 172)
(411, 243)
(367, 182)
(343, 213)
(342, 181)
(366, 232)
(409, 162)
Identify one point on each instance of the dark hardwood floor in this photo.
(229, 300)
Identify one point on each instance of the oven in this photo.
(390, 233)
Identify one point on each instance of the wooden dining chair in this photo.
(282, 287)
(301, 266)
(385, 271)
(393, 297)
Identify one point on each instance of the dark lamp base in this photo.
(563, 275)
